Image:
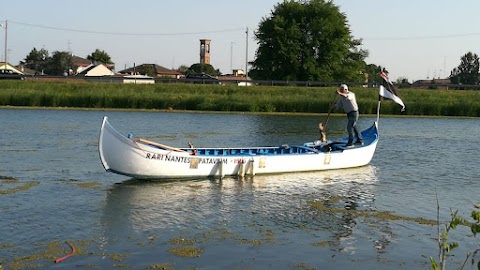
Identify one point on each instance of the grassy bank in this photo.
(229, 98)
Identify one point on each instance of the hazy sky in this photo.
(414, 39)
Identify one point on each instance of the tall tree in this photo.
(468, 70)
(60, 64)
(100, 57)
(307, 40)
(37, 59)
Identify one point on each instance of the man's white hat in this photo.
(344, 86)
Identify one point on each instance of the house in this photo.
(138, 79)
(159, 71)
(80, 63)
(432, 84)
(28, 71)
(9, 69)
(237, 76)
(96, 70)
(238, 73)
(123, 78)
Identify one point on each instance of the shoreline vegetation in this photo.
(229, 98)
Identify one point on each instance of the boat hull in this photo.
(135, 158)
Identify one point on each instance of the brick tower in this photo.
(205, 51)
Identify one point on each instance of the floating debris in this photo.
(8, 179)
(13, 181)
(88, 185)
(304, 266)
(81, 184)
(325, 206)
(181, 241)
(323, 243)
(165, 266)
(186, 251)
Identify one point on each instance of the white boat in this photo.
(143, 159)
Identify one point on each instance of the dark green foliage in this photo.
(203, 68)
(37, 60)
(100, 57)
(59, 64)
(307, 41)
(147, 69)
(468, 70)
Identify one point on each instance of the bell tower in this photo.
(205, 51)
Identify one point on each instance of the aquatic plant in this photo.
(323, 205)
(186, 251)
(445, 248)
(18, 188)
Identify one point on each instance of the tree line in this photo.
(308, 40)
(60, 62)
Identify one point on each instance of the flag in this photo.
(387, 90)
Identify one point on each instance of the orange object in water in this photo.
(66, 256)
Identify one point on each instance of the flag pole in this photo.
(379, 102)
(378, 108)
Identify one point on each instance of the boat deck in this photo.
(369, 135)
(281, 150)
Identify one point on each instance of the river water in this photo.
(54, 191)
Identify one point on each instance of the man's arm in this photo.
(341, 94)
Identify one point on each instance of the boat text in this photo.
(186, 159)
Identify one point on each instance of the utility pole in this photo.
(231, 56)
(246, 58)
(6, 35)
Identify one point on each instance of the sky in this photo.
(421, 39)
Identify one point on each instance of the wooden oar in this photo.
(160, 145)
(323, 127)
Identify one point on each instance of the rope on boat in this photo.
(68, 255)
(138, 146)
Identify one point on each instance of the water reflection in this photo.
(277, 201)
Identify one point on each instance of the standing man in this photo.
(348, 102)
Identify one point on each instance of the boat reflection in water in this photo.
(277, 201)
(315, 219)
(285, 216)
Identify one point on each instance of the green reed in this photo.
(231, 98)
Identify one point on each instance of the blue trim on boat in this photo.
(369, 136)
(281, 150)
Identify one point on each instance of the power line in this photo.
(125, 33)
(424, 37)
(229, 30)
